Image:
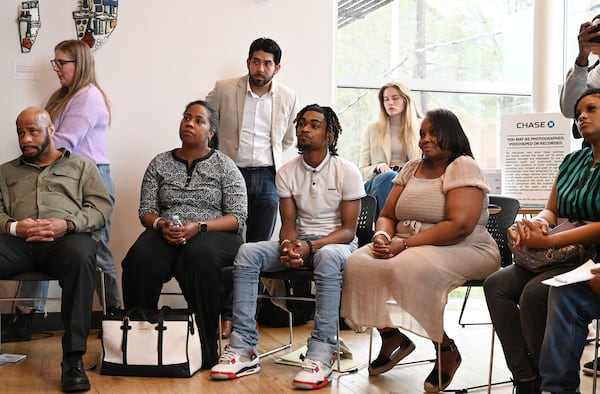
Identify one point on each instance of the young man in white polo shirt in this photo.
(319, 205)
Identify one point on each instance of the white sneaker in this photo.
(314, 375)
(232, 365)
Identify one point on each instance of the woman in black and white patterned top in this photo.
(206, 191)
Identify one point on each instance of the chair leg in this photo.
(338, 346)
(289, 345)
(439, 361)
(489, 387)
(220, 340)
(102, 290)
(595, 357)
(370, 344)
(464, 304)
(489, 382)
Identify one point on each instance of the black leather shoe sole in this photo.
(75, 388)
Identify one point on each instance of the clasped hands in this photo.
(294, 253)
(178, 235)
(41, 230)
(384, 249)
(529, 233)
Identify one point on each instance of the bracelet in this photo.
(311, 248)
(587, 63)
(283, 242)
(155, 222)
(384, 233)
(404, 244)
(540, 220)
(13, 229)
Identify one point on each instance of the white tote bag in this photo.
(151, 343)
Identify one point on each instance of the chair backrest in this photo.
(504, 211)
(366, 220)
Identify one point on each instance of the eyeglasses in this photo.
(59, 63)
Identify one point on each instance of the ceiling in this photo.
(351, 10)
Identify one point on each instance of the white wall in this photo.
(158, 59)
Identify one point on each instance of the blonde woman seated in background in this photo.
(430, 238)
(390, 141)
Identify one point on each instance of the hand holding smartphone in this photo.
(595, 39)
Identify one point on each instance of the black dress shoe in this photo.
(74, 379)
(18, 329)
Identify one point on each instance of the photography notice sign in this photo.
(532, 146)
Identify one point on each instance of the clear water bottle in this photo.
(177, 221)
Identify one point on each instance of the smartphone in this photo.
(596, 39)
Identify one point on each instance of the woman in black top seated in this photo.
(205, 189)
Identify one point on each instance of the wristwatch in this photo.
(203, 227)
(70, 226)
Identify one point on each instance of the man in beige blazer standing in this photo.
(256, 124)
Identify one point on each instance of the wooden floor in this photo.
(40, 371)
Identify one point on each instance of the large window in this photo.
(472, 57)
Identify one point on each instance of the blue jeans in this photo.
(263, 203)
(104, 260)
(380, 186)
(252, 259)
(570, 309)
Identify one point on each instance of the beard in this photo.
(304, 147)
(39, 150)
(259, 83)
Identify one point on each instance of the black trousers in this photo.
(71, 259)
(517, 300)
(197, 267)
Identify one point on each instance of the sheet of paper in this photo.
(293, 359)
(579, 274)
(11, 358)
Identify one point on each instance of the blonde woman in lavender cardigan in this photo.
(80, 112)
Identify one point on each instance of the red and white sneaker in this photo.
(232, 365)
(314, 375)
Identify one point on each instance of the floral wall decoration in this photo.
(95, 20)
(29, 24)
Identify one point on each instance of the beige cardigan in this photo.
(372, 153)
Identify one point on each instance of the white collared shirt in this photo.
(255, 137)
(318, 192)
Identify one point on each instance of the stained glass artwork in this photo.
(95, 20)
(29, 24)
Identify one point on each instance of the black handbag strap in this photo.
(159, 321)
(160, 327)
(125, 328)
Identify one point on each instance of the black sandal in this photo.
(431, 384)
(383, 363)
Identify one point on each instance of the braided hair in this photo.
(333, 129)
